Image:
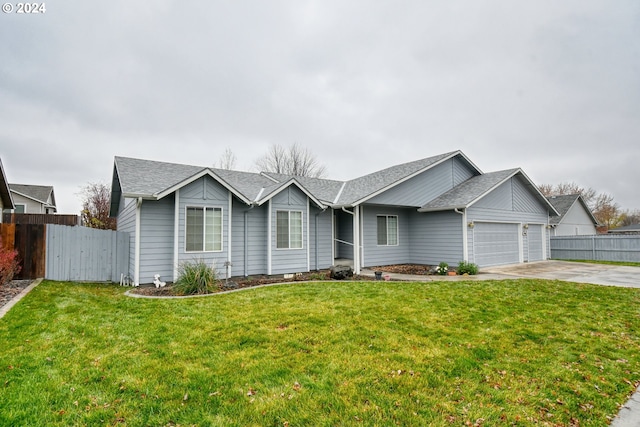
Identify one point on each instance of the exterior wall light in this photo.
(471, 224)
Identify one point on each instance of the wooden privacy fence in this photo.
(59, 252)
(29, 241)
(40, 219)
(605, 247)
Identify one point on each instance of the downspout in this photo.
(246, 243)
(269, 240)
(229, 237)
(136, 273)
(176, 234)
(308, 237)
(465, 237)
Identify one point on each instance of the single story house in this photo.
(575, 216)
(441, 208)
(33, 199)
(6, 201)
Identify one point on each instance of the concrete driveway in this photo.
(599, 274)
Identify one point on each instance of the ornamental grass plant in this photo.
(196, 278)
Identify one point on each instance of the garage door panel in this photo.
(536, 242)
(496, 243)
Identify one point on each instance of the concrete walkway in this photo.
(597, 274)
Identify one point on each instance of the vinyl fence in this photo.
(604, 247)
(86, 254)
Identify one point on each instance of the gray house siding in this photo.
(436, 237)
(249, 235)
(320, 238)
(420, 189)
(156, 239)
(375, 254)
(289, 260)
(204, 192)
(127, 222)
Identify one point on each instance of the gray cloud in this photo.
(550, 87)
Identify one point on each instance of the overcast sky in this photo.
(551, 87)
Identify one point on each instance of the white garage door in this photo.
(496, 243)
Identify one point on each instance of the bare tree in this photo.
(606, 211)
(566, 188)
(296, 161)
(96, 201)
(227, 160)
(629, 217)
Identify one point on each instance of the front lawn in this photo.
(513, 352)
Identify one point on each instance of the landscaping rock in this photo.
(341, 272)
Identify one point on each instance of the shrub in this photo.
(195, 278)
(442, 269)
(9, 265)
(467, 268)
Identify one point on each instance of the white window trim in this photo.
(289, 248)
(387, 227)
(204, 227)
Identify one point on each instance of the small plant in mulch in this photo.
(442, 269)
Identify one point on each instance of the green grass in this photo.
(514, 352)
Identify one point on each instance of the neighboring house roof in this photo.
(633, 228)
(470, 191)
(5, 193)
(42, 194)
(564, 203)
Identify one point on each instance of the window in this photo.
(19, 209)
(387, 230)
(289, 229)
(204, 230)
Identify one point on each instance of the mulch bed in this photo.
(253, 281)
(11, 290)
(415, 269)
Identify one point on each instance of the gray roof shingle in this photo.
(41, 193)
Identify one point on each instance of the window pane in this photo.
(295, 228)
(382, 230)
(392, 230)
(195, 222)
(213, 235)
(282, 229)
